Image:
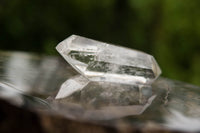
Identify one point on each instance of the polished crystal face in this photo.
(99, 61)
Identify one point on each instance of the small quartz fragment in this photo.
(99, 61)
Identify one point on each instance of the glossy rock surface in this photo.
(100, 61)
(31, 81)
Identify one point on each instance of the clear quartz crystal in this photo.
(99, 61)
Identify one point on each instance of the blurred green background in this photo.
(167, 29)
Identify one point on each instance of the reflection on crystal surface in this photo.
(100, 61)
(104, 100)
(100, 94)
(72, 85)
(116, 112)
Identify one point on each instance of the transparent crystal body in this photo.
(99, 61)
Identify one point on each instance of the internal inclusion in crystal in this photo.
(100, 61)
(101, 66)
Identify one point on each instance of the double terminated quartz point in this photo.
(99, 61)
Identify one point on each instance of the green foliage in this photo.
(168, 29)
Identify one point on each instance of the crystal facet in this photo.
(99, 61)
